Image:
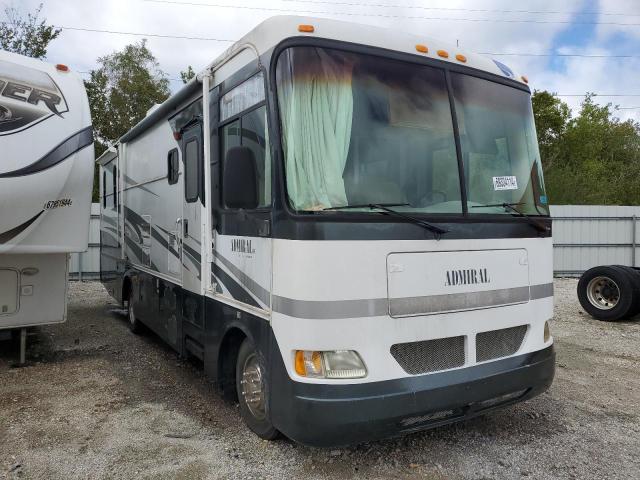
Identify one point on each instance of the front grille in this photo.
(499, 343)
(430, 355)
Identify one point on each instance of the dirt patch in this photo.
(96, 401)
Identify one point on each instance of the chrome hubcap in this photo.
(132, 317)
(603, 293)
(252, 387)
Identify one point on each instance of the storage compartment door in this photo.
(8, 291)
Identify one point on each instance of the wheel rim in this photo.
(252, 387)
(132, 317)
(603, 293)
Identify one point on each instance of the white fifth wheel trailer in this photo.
(46, 174)
(347, 224)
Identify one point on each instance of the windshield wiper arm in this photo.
(367, 205)
(385, 208)
(437, 230)
(511, 207)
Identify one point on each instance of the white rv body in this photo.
(446, 311)
(46, 173)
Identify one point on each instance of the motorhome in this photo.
(346, 224)
(46, 174)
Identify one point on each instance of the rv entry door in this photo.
(192, 155)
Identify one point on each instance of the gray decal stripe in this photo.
(542, 290)
(321, 309)
(237, 291)
(457, 301)
(191, 252)
(71, 145)
(14, 232)
(250, 284)
(109, 220)
(133, 183)
(164, 243)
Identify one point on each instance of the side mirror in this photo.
(240, 179)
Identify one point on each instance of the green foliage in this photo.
(551, 116)
(121, 91)
(187, 75)
(28, 36)
(593, 158)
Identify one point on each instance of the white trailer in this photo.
(347, 224)
(46, 174)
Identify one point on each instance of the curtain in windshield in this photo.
(316, 107)
(361, 129)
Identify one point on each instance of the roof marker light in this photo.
(461, 58)
(524, 79)
(62, 68)
(443, 53)
(422, 48)
(306, 28)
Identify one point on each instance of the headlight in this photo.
(547, 332)
(330, 364)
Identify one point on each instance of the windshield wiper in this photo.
(367, 205)
(385, 208)
(511, 207)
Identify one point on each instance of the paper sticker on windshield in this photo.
(505, 183)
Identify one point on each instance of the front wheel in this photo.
(134, 324)
(252, 385)
(608, 293)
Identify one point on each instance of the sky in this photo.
(551, 28)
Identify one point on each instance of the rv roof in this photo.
(275, 29)
(272, 31)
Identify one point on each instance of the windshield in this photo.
(499, 147)
(359, 129)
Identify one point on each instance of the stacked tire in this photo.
(610, 293)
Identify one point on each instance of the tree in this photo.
(28, 36)
(597, 157)
(187, 75)
(551, 116)
(121, 91)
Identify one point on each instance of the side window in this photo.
(191, 163)
(172, 166)
(254, 136)
(104, 188)
(115, 186)
(250, 131)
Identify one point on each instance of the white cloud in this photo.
(81, 49)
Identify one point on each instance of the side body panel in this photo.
(29, 282)
(46, 166)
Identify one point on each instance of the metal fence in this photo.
(583, 236)
(588, 235)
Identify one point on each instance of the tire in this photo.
(252, 383)
(134, 324)
(634, 276)
(608, 293)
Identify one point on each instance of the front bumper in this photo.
(325, 415)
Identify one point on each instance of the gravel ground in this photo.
(95, 401)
